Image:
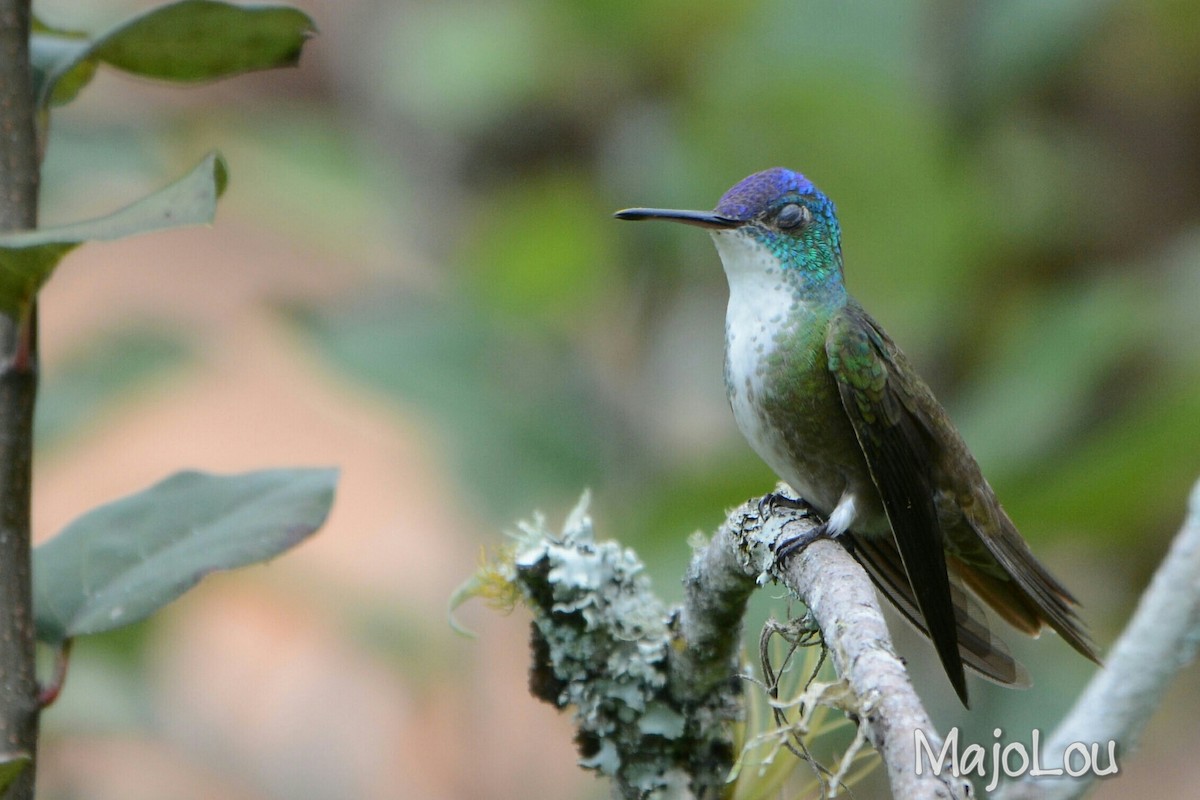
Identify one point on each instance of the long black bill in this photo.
(703, 219)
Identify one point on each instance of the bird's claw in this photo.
(788, 546)
(773, 500)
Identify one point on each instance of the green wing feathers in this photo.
(944, 515)
(899, 459)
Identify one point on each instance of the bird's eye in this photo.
(793, 216)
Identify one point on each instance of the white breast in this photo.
(761, 307)
(766, 312)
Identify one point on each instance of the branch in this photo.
(18, 384)
(717, 586)
(655, 722)
(18, 145)
(1161, 639)
(842, 600)
(654, 689)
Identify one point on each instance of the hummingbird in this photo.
(826, 398)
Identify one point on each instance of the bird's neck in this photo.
(759, 274)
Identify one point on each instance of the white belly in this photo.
(820, 457)
(745, 368)
(763, 308)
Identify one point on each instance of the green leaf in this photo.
(12, 765)
(189, 41)
(121, 562)
(58, 60)
(28, 257)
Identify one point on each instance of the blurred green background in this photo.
(418, 229)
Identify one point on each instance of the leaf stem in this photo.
(62, 659)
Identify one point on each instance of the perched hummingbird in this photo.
(826, 398)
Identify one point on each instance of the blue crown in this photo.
(753, 194)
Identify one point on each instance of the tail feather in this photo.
(1014, 607)
(980, 650)
(1031, 587)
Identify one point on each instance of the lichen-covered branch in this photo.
(1161, 639)
(717, 586)
(605, 645)
(655, 689)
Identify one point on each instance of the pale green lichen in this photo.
(656, 714)
(603, 645)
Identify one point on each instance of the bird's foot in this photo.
(788, 546)
(773, 500)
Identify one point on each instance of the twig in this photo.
(841, 599)
(1160, 640)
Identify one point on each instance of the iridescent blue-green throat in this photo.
(829, 402)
